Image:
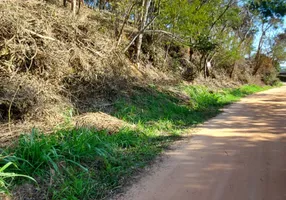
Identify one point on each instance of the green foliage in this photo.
(279, 48)
(270, 78)
(269, 9)
(209, 28)
(204, 44)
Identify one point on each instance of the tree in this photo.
(143, 21)
(199, 25)
(219, 31)
(279, 48)
(269, 14)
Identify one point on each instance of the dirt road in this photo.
(239, 155)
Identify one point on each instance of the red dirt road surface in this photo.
(238, 155)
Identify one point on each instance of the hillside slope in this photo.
(54, 66)
(52, 63)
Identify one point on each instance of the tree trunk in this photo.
(74, 7)
(118, 34)
(95, 4)
(202, 66)
(258, 54)
(136, 36)
(144, 15)
(117, 20)
(205, 68)
(166, 53)
(79, 2)
(257, 57)
(101, 4)
(232, 70)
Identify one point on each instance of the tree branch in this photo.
(221, 15)
(139, 32)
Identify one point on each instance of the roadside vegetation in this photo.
(81, 163)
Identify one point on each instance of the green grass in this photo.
(160, 112)
(83, 163)
(203, 99)
(90, 164)
(4, 184)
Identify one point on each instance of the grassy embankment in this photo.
(88, 164)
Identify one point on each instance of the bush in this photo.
(270, 78)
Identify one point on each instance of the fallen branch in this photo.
(39, 35)
(169, 34)
(139, 32)
(124, 23)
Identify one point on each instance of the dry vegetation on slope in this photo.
(52, 62)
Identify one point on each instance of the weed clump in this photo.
(83, 163)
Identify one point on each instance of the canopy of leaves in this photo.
(269, 9)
